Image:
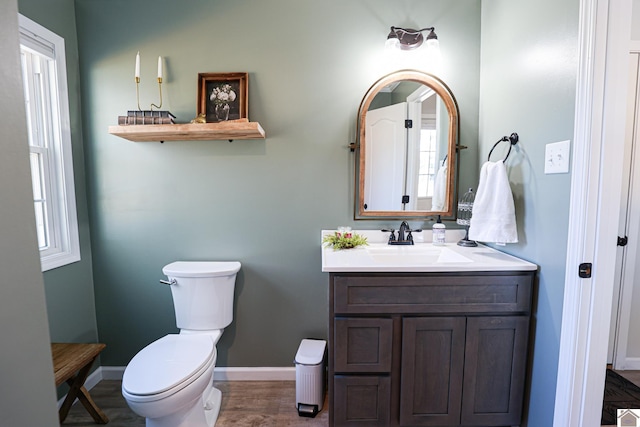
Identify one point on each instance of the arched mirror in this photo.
(408, 131)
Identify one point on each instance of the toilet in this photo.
(170, 381)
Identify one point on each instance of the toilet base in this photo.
(202, 414)
(212, 406)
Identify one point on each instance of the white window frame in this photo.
(64, 243)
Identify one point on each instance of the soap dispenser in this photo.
(438, 232)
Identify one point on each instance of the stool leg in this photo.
(96, 413)
(78, 391)
(72, 394)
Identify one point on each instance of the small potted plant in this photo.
(344, 238)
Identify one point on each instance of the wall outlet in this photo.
(556, 157)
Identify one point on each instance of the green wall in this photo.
(528, 78)
(27, 386)
(69, 289)
(262, 203)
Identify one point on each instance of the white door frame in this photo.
(604, 34)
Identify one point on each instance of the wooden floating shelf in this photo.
(190, 131)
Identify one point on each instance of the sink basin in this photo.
(415, 255)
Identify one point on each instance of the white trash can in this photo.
(310, 377)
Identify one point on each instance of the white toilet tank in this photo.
(202, 293)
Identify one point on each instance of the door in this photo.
(386, 158)
(620, 343)
(432, 366)
(494, 370)
(595, 191)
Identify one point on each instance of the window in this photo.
(44, 78)
(428, 162)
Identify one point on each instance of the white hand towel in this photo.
(493, 218)
(439, 189)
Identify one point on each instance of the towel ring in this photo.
(513, 140)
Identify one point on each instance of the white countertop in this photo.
(378, 256)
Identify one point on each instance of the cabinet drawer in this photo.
(362, 345)
(432, 293)
(364, 401)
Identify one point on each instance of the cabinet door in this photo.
(494, 371)
(362, 401)
(362, 345)
(432, 364)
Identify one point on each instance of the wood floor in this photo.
(633, 376)
(244, 404)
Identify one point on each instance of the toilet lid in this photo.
(167, 363)
(201, 268)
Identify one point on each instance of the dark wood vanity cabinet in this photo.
(428, 349)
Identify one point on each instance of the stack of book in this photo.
(146, 117)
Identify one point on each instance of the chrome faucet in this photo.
(404, 235)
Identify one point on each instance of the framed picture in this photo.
(223, 96)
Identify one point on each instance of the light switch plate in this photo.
(556, 157)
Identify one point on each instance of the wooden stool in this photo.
(67, 360)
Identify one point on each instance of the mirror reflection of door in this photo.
(386, 158)
(406, 167)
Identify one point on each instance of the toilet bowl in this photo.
(165, 382)
(170, 381)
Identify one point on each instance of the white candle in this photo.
(159, 67)
(138, 65)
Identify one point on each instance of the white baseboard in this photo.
(219, 374)
(254, 374)
(223, 373)
(630, 364)
(112, 372)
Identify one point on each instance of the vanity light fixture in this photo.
(409, 39)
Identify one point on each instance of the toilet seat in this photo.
(167, 365)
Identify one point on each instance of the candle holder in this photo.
(151, 116)
(159, 90)
(465, 206)
(138, 94)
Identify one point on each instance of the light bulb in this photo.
(433, 56)
(392, 44)
(433, 46)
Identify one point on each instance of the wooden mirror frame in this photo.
(452, 108)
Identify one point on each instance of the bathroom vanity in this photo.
(427, 335)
